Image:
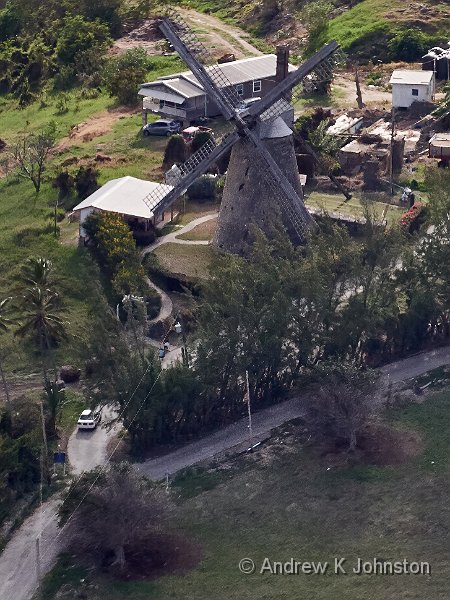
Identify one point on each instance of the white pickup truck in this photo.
(89, 419)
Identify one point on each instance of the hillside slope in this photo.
(368, 28)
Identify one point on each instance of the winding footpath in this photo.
(166, 303)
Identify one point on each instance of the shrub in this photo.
(86, 182)
(200, 139)
(116, 252)
(408, 45)
(123, 75)
(203, 189)
(175, 152)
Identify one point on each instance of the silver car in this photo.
(161, 127)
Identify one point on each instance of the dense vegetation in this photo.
(364, 300)
(65, 42)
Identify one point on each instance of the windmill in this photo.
(262, 179)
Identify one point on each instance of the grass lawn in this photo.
(192, 261)
(337, 203)
(204, 231)
(287, 501)
(74, 403)
(370, 20)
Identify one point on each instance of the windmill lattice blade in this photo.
(291, 204)
(195, 55)
(269, 104)
(182, 176)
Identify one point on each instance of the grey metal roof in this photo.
(177, 85)
(185, 88)
(238, 71)
(276, 128)
(411, 77)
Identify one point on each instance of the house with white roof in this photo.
(410, 86)
(130, 197)
(182, 97)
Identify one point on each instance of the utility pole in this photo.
(250, 429)
(359, 98)
(391, 157)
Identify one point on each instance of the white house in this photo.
(410, 86)
(129, 197)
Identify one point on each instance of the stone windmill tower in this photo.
(262, 183)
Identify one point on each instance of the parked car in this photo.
(89, 419)
(161, 127)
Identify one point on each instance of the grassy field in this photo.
(192, 261)
(204, 231)
(288, 501)
(337, 203)
(370, 20)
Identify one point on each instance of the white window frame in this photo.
(240, 89)
(257, 86)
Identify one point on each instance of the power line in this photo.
(108, 459)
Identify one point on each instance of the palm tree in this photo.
(36, 271)
(42, 322)
(4, 324)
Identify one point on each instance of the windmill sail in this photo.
(262, 116)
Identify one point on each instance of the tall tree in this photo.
(115, 511)
(42, 322)
(31, 153)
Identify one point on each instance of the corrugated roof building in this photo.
(410, 86)
(181, 96)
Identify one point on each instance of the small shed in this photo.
(409, 86)
(439, 146)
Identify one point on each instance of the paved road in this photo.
(87, 449)
(224, 439)
(275, 416)
(417, 364)
(18, 575)
(173, 236)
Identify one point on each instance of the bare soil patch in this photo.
(147, 36)
(384, 445)
(97, 125)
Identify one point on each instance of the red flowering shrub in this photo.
(412, 214)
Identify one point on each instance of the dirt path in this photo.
(345, 86)
(224, 37)
(218, 37)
